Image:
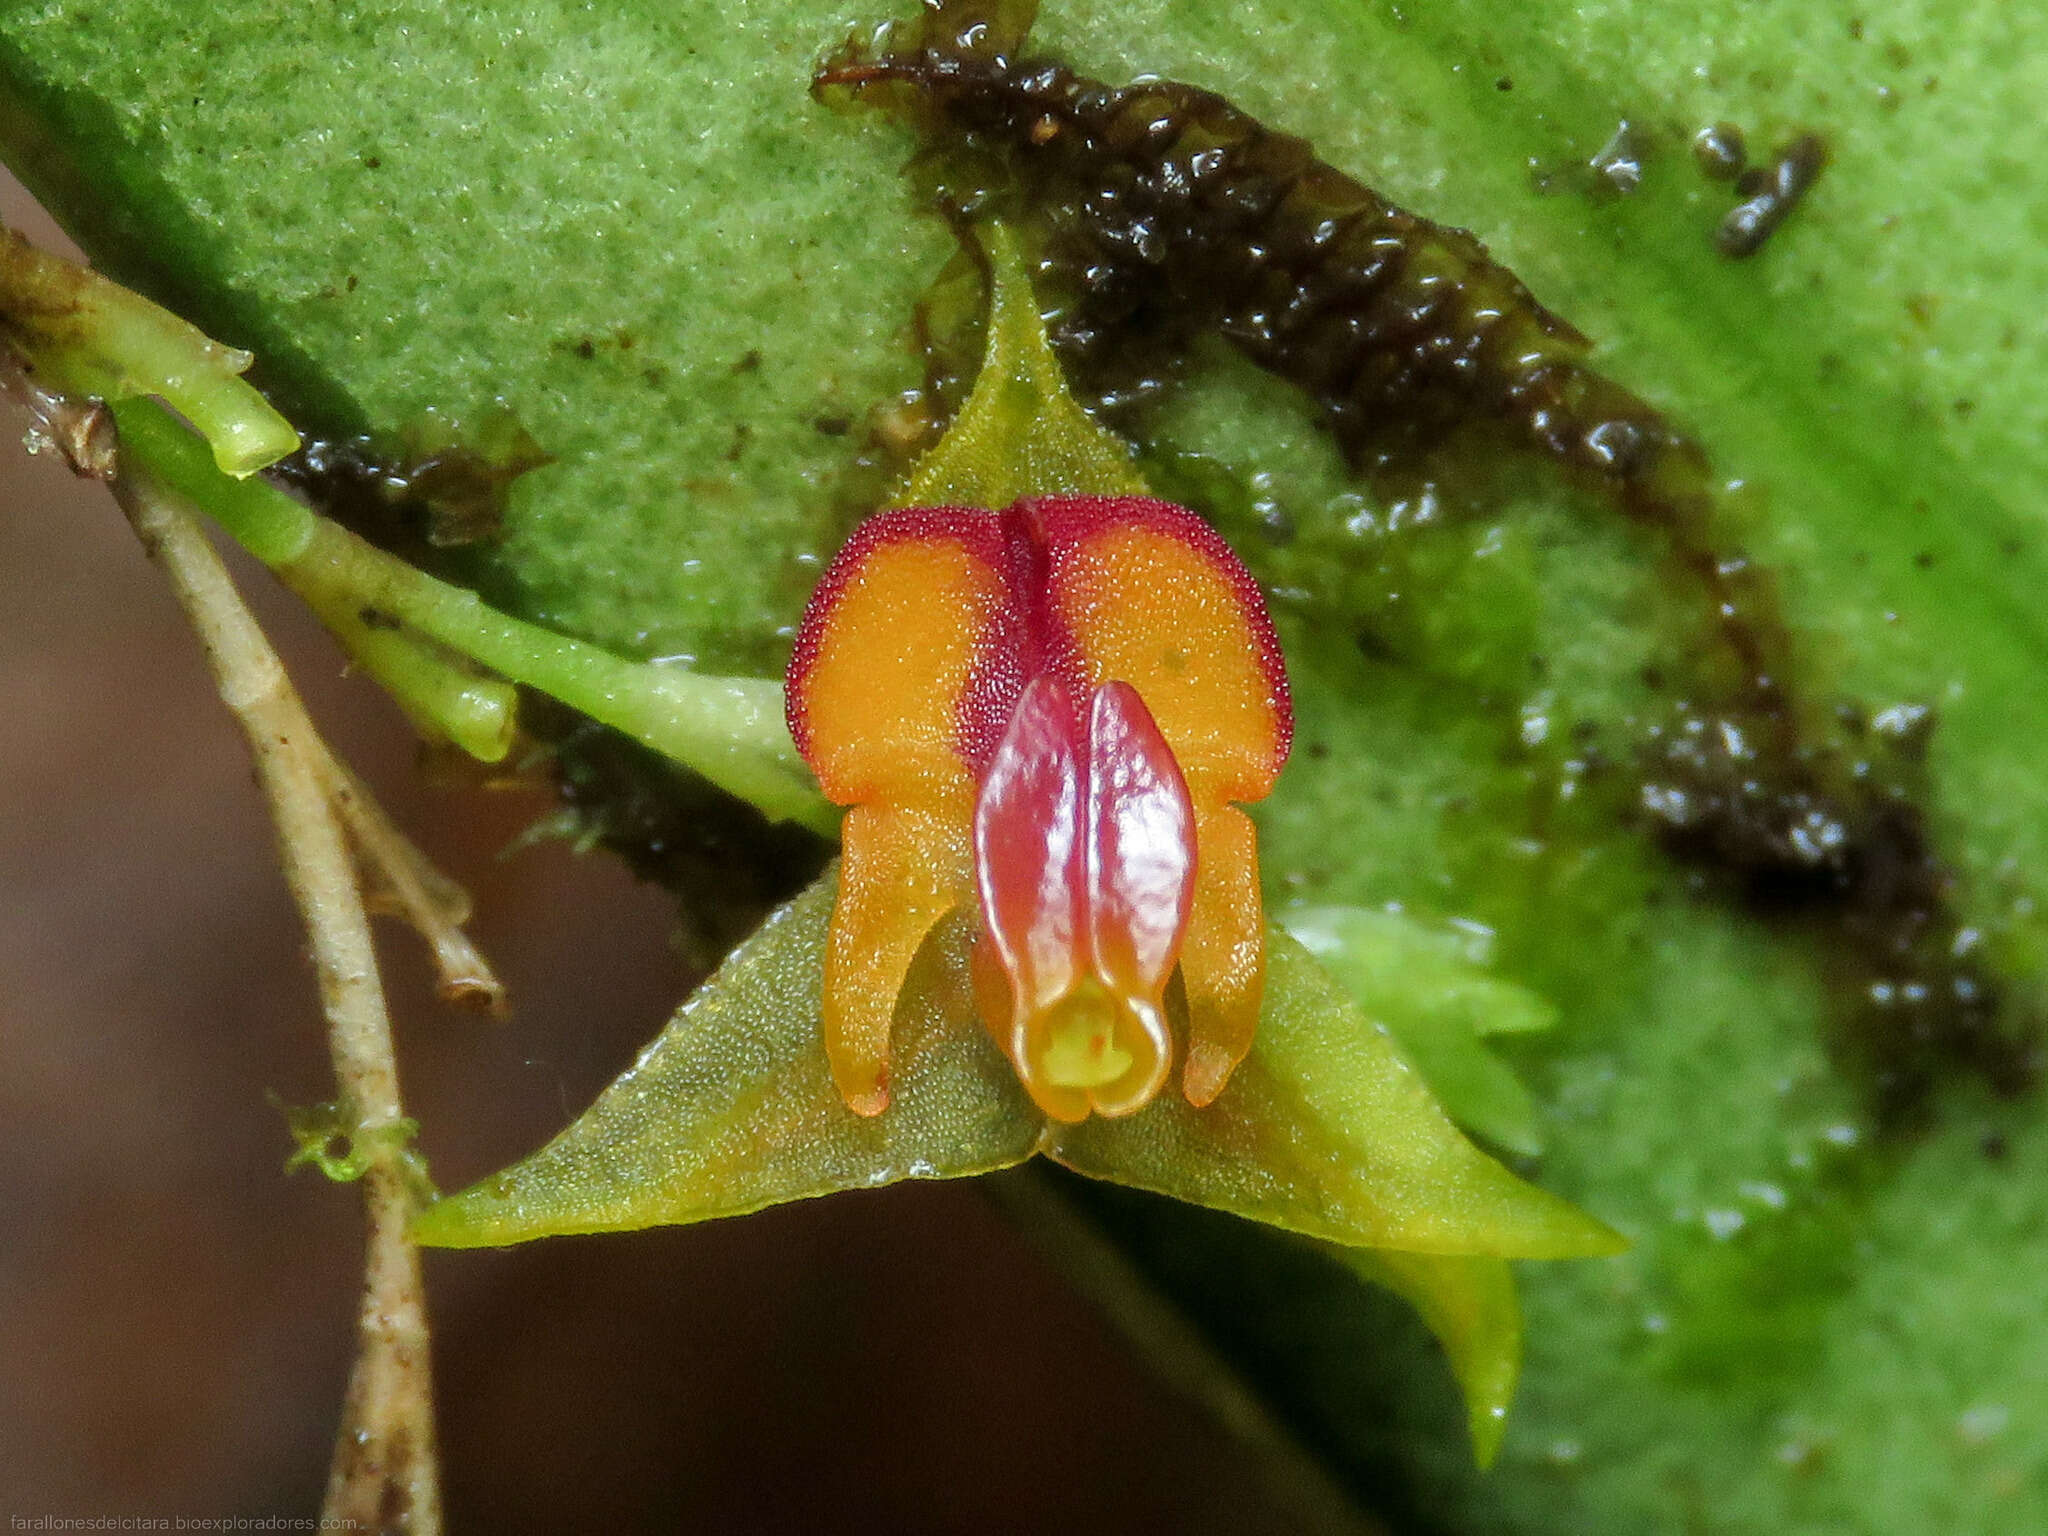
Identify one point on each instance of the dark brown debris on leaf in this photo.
(1770, 193)
(442, 485)
(1720, 151)
(726, 864)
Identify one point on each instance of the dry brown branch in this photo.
(402, 882)
(384, 1475)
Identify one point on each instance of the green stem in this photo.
(93, 338)
(729, 729)
(443, 698)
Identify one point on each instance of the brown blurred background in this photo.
(175, 1312)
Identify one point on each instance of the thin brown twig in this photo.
(384, 1475)
(403, 882)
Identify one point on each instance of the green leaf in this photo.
(1328, 1132)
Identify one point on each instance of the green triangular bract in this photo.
(1326, 1130)
(732, 1108)
(1021, 433)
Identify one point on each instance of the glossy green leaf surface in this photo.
(687, 281)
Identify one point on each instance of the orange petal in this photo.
(1224, 960)
(899, 873)
(890, 648)
(1150, 595)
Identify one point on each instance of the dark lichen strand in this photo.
(1163, 213)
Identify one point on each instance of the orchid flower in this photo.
(1048, 711)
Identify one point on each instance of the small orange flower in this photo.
(1054, 711)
